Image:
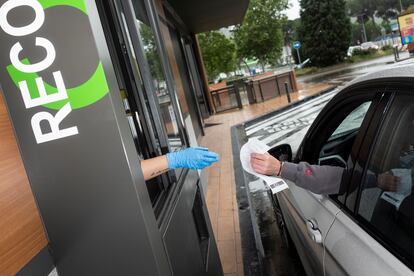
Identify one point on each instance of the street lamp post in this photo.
(401, 7)
(363, 27)
(365, 32)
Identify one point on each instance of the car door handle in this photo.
(313, 230)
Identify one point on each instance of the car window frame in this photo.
(358, 92)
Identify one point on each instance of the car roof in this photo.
(394, 72)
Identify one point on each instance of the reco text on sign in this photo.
(44, 98)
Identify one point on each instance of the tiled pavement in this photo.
(221, 192)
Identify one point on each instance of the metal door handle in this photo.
(313, 230)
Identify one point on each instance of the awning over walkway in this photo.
(206, 15)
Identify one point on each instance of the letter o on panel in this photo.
(25, 30)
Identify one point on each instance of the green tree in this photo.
(356, 33)
(291, 32)
(373, 30)
(219, 53)
(409, 9)
(363, 9)
(386, 26)
(385, 9)
(390, 9)
(325, 31)
(260, 35)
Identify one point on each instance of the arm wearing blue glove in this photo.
(190, 158)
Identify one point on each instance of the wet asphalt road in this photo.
(342, 74)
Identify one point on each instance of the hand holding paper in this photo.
(276, 184)
(265, 164)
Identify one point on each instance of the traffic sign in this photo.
(296, 45)
(394, 25)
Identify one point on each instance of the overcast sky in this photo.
(293, 11)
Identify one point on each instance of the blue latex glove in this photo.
(192, 158)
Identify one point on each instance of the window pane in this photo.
(336, 150)
(154, 186)
(138, 115)
(158, 78)
(138, 79)
(353, 121)
(387, 203)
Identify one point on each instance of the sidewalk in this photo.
(221, 193)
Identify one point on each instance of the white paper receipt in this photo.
(276, 184)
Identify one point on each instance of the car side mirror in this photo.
(282, 152)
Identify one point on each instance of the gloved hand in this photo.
(192, 158)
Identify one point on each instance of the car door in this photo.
(374, 233)
(334, 139)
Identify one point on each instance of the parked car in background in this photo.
(352, 49)
(366, 229)
(369, 45)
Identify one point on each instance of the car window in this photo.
(352, 122)
(386, 201)
(335, 151)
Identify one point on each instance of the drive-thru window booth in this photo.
(92, 88)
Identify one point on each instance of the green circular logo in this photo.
(85, 94)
